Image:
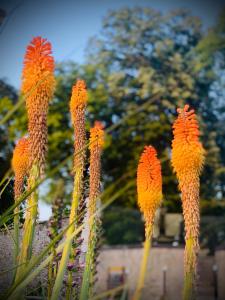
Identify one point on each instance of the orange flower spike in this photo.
(187, 151)
(38, 85)
(38, 64)
(96, 143)
(78, 104)
(149, 184)
(149, 189)
(20, 164)
(95, 146)
(187, 160)
(97, 136)
(79, 98)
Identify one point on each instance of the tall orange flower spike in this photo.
(78, 105)
(38, 86)
(149, 189)
(20, 165)
(95, 146)
(187, 161)
(149, 184)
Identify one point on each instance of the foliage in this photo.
(8, 97)
(212, 233)
(122, 226)
(141, 52)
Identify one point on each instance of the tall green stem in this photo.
(190, 270)
(86, 288)
(16, 236)
(69, 233)
(144, 264)
(30, 223)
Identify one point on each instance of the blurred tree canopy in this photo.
(8, 98)
(122, 226)
(141, 56)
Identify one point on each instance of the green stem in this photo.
(35, 265)
(16, 237)
(86, 289)
(34, 268)
(67, 249)
(144, 263)
(50, 275)
(30, 223)
(69, 286)
(190, 270)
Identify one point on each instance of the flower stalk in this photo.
(55, 224)
(149, 189)
(20, 167)
(95, 147)
(38, 72)
(77, 108)
(187, 161)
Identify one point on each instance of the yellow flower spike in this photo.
(188, 158)
(149, 189)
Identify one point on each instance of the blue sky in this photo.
(69, 24)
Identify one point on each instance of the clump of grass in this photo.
(187, 161)
(149, 189)
(95, 146)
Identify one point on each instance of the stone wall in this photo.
(168, 259)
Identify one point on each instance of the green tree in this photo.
(8, 98)
(211, 53)
(141, 52)
(122, 226)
